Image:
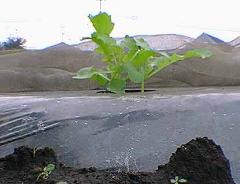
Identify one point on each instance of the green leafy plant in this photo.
(177, 180)
(129, 60)
(46, 171)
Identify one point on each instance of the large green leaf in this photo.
(102, 23)
(202, 53)
(108, 47)
(100, 39)
(143, 44)
(134, 75)
(91, 73)
(147, 70)
(104, 43)
(158, 63)
(129, 43)
(85, 73)
(164, 54)
(142, 57)
(130, 49)
(117, 85)
(176, 57)
(100, 78)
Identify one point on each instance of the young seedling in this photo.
(35, 151)
(177, 180)
(46, 171)
(130, 60)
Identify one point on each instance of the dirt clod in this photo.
(200, 161)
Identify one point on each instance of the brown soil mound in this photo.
(68, 58)
(199, 161)
(47, 70)
(222, 69)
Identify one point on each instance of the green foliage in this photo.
(46, 171)
(116, 85)
(130, 60)
(102, 23)
(94, 74)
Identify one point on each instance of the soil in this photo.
(200, 161)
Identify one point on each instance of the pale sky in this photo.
(42, 22)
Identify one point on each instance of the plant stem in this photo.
(142, 87)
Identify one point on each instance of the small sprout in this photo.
(46, 171)
(177, 180)
(35, 151)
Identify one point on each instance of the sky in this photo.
(47, 22)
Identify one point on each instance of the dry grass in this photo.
(5, 52)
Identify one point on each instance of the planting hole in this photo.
(129, 91)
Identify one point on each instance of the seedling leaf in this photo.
(100, 78)
(102, 23)
(91, 73)
(164, 54)
(46, 171)
(134, 75)
(50, 168)
(143, 44)
(201, 53)
(142, 57)
(117, 86)
(85, 73)
(182, 181)
(107, 47)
